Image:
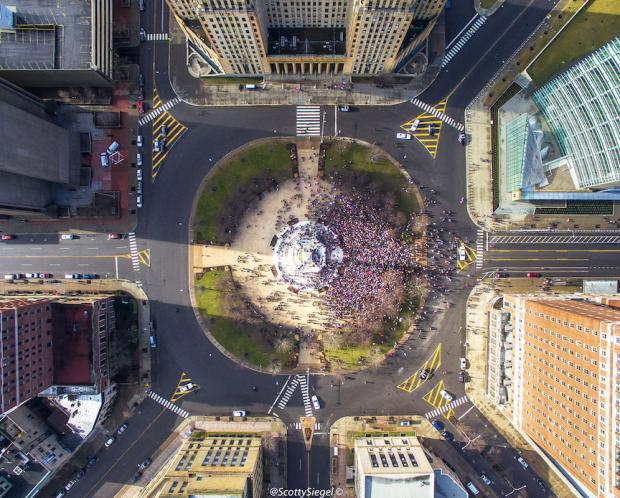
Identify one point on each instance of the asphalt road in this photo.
(182, 346)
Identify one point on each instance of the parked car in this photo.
(431, 129)
(122, 428)
(141, 4)
(114, 236)
(448, 436)
(315, 402)
(424, 373)
(139, 188)
(45, 275)
(522, 462)
(238, 413)
(437, 425)
(501, 274)
(405, 423)
(343, 108)
(187, 387)
(153, 341)
(12, 276)
(139, 159)
(164, 131)
(415, 125)
(446, 395)
(142, 35)
(145, 463)
(73, 276)
(139, 201)
(485, 479)
(462, 254)
(157, 145)
(136, 476)
(533, 274)
(32, 275)
(92, 462)
(90, 276)
(462, 138)
(463, 363)
(462, 376)
(541, 483)
(67, 236)
(70, 484)
(139, 141)
(140, 105)
(139, 174)
(403, 136)
(110, 441)
(6, 236)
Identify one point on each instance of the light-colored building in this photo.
(211, 464)
(581, 106)
(389, 467)
(306, 38)
(566, 384)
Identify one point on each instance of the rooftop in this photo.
(48, 35)
(307, 41)
(394, 456)
(82, 411)
(72, 343)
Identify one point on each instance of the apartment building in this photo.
(26, 357)
(302, 38)
(566, 384)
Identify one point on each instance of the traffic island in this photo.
(307, 255)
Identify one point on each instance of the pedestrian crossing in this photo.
(445, 408)
(554, 239)
(479, 248)
(305, 395)
(288, 392)
(463, 39)
(168, 404)
(156, 36)
(297, 425)
(308, 120)
(438, 114)
(151, 115)
(133, 251)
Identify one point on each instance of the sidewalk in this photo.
(479, 303)
(300, 92)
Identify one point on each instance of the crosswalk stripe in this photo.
(133, 250)
(463, 40)
(156, 36)
(438, 114)
(479, 248)
(447, 407)
(150, 116)
(168, 405)
(564, 239)
(308, 120)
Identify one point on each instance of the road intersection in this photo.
(162, 238)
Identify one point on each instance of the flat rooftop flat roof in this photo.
(306, 41)
(48, 35)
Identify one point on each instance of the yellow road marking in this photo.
(156, 99)
(421, 134)
(470, 256)
(175, 131)
(433, 397)
(144, 257)
(184, 380)
(432, 363)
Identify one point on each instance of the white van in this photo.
(472, 489)
(105, 162)
(113, 147)
(9, 277)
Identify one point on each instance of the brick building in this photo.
(26, 358)
(566, 384)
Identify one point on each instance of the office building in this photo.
(565, 380)
(63, 44)
(386, 467)
(38, 155)
(301, 38)
(581, 106)
(26, 350)
(212, 464)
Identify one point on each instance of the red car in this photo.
(532, 274)
(8, 237)
(114, 236)
(140, 105)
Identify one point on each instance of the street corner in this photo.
(422, 374)
(426, 127)
(184, 387)
(465, 255)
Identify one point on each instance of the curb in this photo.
(488, 11)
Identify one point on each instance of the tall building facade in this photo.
(306, 38)
(26, 359)
(566, 384)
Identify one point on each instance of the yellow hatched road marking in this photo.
(421, 134)
(470, 256)
(184, 380)
(175, 131)
(156, 99)
(414, 381)
(144, 257)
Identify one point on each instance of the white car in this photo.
(186, 387)
(67, 236)
(32, 275)
(139, 159)
(139, 174)
(463, 363)
(446, 395)
(139, 141)
(485, 480)
(238, 413)
(462, 254)
(462, 138)
(157, 145)
(139, 201)
(403, 136)
(415, 125)
(110, 442)
(315, 402)
(522, 462)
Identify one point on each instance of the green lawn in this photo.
(234, 335)
(487, 4)
(590, 29)
(380, 172)
(235, 185)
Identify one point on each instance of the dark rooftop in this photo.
(72, 331)
(307, 41)
(49, 34)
